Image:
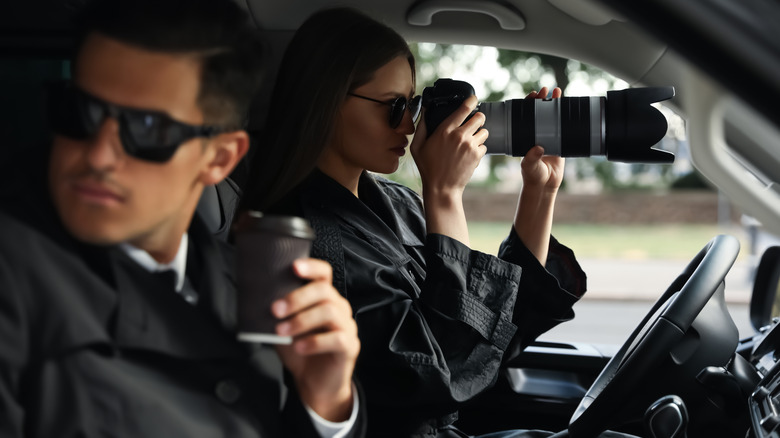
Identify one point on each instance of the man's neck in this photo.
(177, 263)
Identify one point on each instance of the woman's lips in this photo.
(400, 151)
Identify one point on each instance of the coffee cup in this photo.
(266, 246)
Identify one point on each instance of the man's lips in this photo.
(97, 192)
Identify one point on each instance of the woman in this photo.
(436, 319)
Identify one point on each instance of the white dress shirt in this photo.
(326, 429)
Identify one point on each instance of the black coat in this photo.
(92, 344)
(436, 320)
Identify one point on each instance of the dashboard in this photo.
(764, 402)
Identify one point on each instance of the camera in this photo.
(622, 126)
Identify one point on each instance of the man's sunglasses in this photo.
(145, 134)
(398, 107)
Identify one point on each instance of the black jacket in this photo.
(436, 320)
(92, 344)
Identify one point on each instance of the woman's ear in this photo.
(227, 150)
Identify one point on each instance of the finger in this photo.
(304, 297)
(531, 95)
(554, 160)
(313, 269)
(325, 316)
(334, 342)
(459, 115)
(533, 156)
(474, 123)
(481, 136)
(481, 150)
(420, 133)
(542, 93)
(557, 92)
(537, 151)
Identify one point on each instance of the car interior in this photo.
(684, 369)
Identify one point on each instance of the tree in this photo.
(500, 74)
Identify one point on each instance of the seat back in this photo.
(218, 205)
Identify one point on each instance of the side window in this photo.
(22, 117)
(634, 227)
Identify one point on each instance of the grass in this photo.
(667, 241)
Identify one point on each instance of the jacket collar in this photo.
(373, 214)
(152, 316)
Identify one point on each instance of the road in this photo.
(610, 322)
(620, 293)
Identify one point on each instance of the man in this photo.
(94, 341)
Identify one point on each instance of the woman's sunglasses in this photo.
(398, 107)
(145, 134)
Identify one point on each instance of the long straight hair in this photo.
(333, 52)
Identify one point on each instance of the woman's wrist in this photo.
(539, 192)
(533, 220)
(444, 214)
(443, 199)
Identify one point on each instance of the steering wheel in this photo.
(658, 334)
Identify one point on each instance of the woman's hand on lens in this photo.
(447, 158)
(542, 172)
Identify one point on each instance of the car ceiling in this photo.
(729, 140)
(586, 30)
(579, 29)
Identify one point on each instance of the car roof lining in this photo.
(548, 30)
(42, 26)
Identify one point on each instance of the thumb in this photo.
(533, 155)
(420, 134)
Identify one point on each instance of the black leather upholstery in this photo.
(218, 205)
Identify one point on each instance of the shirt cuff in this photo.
(330, 429)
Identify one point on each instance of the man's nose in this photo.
(105, 147)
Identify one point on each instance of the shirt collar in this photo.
(178, 264)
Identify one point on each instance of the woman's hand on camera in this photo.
(542, 176)
(542, 172)
(447, 158)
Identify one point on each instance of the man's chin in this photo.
(94, 233)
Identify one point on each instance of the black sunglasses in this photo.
(145, 134)
(398, 106)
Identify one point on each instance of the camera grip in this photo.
(441, 100)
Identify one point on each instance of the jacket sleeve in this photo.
(428, 345)
(445, 343)
(546, 293)
(435, 318)
(298, 423)
(13, 352)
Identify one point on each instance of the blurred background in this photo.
(633, 227)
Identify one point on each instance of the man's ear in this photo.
(227, 150)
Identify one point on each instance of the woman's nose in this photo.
(407, 124)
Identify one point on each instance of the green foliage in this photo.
(614, 241)
(605, 172)
(499, 74)
(690, 181)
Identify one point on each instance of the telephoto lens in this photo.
(623, 126)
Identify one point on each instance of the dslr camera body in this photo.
(623, 126)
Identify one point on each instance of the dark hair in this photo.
(333, 52)
(218, 32)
